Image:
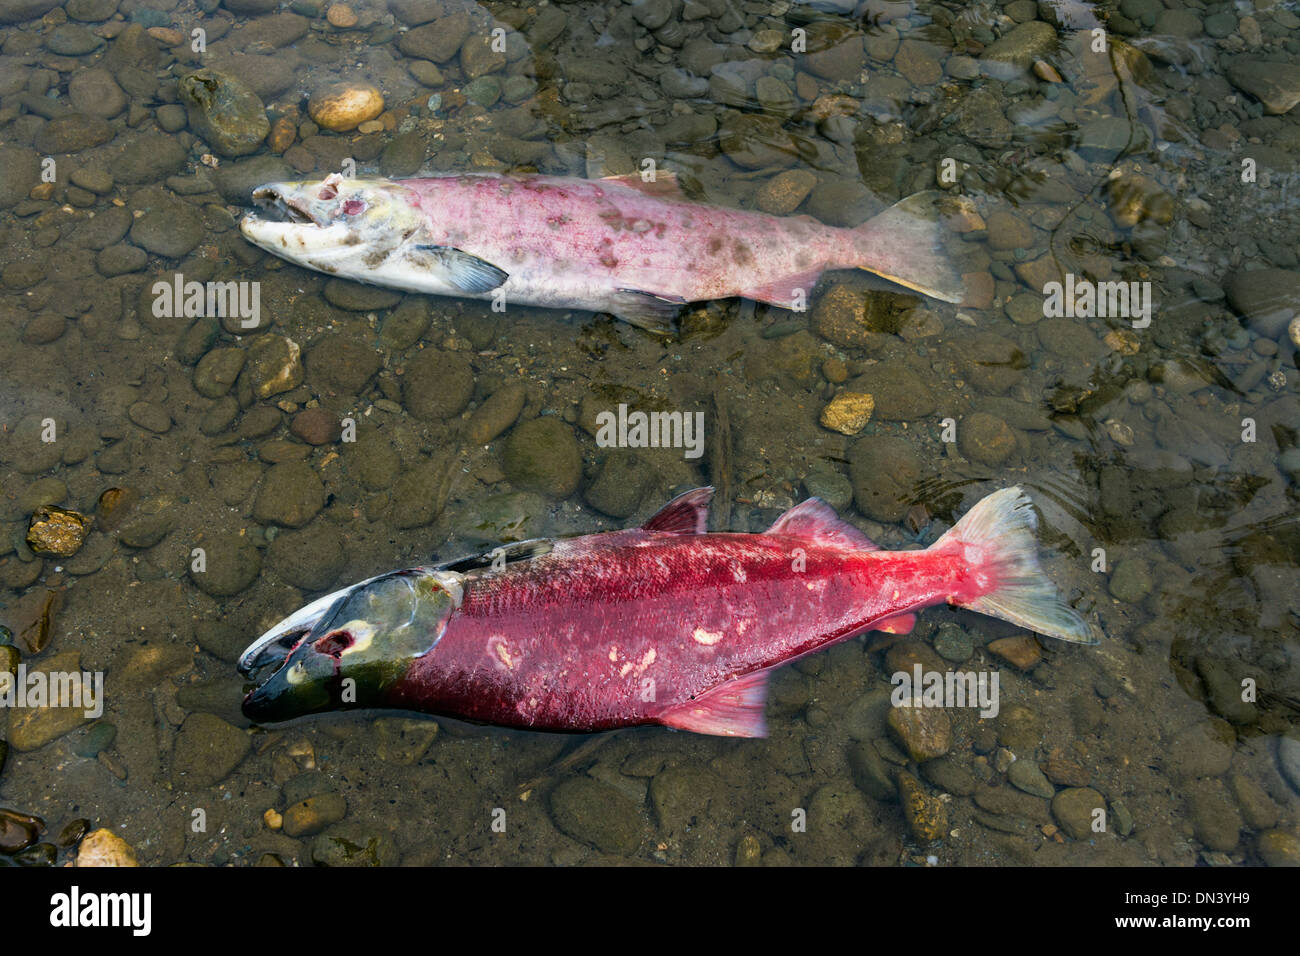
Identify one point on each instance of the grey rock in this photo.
(207, 750)
(291, 495)
(311, 558)
(18, 11)
(73, 133)
(149, 158)
(437, 384)
(346, 845)
(1021, 47)
(1025, 775)
(1276, 85)
(597, 814)
(884, 471)
(96, 93)
(420, 493)
(236, 181)
(542, 455)
(620, 484)
(1267, 298)
(231, 564)
(168, 227)
(339, 364)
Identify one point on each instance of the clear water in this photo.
(1160, 449)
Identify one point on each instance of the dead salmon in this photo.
(637, 250)
(662, 624)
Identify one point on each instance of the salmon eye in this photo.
(326, 193)
(353, 206)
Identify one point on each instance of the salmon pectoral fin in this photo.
(788, 292)
(663, 185)
(732, 709)
(816, 521)
(688, 513)
(468, 273)
(645, 310)
(898, 624)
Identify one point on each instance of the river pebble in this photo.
(207, 749)
(597, 814)
(543, 455)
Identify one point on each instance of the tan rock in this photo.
(1134, 198)
(283, 132)
(57, 531)
(926, 816)
(848, 412)
(344, 106)
(340, 15)
(924, 732)
(782, 194)
(1046, 72)
(33, 727)
(105, 848)
(1022, 651)
(274, 365)
(166, 36)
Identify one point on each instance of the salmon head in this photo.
(336, 225)
(347, 648)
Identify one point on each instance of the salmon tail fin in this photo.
(906, 244)
(1005, 579)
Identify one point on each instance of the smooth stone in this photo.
(291, 494)
(596, 813)
(543, 455)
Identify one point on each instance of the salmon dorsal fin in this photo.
(816, 521)
(732, 709)
(688, 513)
(663, 186)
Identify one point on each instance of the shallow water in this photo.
(1160, 448)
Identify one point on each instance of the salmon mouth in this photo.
(281, 208)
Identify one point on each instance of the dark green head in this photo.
(347, 648)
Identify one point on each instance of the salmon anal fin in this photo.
(664, 185)
(785, 291)
(898, 624)
(688, 513)
(732, 709)
(816, 521)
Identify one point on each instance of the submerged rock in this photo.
(344, 106)
(105, 848)
(207, 749)
(1276, 85)
(596, 813)
(224, 111)
(57, 531)
(543, 455)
